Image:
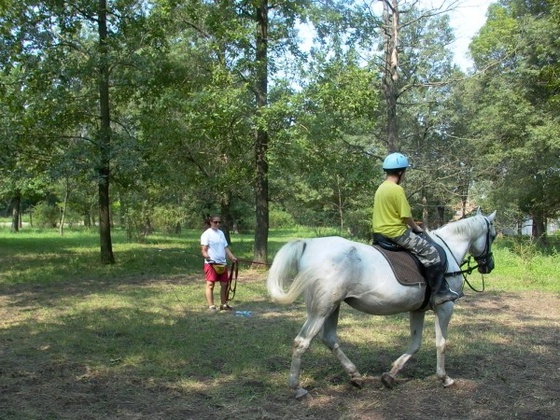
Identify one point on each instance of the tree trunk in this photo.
(340, 205)
(538, 229)
(261, 136)
(539, 216)
(391, 75)
(425, 211)
(64, 206)
(107, 256)
(16, 212)
(441, 215)
(227, 218)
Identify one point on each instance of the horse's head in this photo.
(481, 248)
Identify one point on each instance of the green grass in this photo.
(138, 330)
(123, 316)
(42, 255)
(522, 266)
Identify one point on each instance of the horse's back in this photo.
(360, 273)
(335, 248)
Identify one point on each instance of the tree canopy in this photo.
(187, 108)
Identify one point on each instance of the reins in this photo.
(465, 272)
(469, 269)
(232, 281)
(233, 275)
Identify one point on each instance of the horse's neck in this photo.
(459, 250)
(456, 241)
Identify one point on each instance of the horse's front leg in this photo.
(416, 328)
(330, 340)
(443, 316)
(301, 343)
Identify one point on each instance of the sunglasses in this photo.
(216, 221)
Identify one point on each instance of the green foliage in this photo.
(280, 219)
(167, 219)
(358, 223)
(45, 214)
(183, 109)
(522, 264)
(516, 114)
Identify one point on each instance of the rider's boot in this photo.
(435, 276)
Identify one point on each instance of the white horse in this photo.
(332, 270)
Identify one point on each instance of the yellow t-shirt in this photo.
(390, 207)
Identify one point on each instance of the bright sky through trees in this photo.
(466, 20)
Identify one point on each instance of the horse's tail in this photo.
(285, 267)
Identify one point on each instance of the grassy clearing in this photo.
(134, 340)
(521, 265)
(43, 256)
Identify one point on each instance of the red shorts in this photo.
(212, 276)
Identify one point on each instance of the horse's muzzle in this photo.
(485, 263)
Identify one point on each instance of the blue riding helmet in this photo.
(395, 161)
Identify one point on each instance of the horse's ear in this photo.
(478, 212)
(492, 216)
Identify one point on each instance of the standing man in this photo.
(215, 248)
(392, 218)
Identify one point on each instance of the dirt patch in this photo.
(503, 354)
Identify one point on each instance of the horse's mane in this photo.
(462, 227)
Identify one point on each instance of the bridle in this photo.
(484, 261)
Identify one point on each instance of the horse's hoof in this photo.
(300, 393)
(448, 382)
(388, 380)
(357, 382)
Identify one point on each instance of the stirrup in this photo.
(448, 295)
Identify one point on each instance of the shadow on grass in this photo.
(140, 349)
(132, 340)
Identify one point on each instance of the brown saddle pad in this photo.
(404, 266)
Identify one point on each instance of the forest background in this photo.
(153, 114)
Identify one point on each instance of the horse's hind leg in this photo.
(301, 343)
(416, 329)
(330, 340)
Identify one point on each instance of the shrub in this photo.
(167, 219)
(280, 219)
(45, 215)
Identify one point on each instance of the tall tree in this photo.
(516, 106)
(261, 133)
(104, 141)
(71, 59)
(391, 28)
(243, 46)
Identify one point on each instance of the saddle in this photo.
(407, 268)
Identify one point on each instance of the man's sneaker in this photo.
(212, 309)
(225, 307)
